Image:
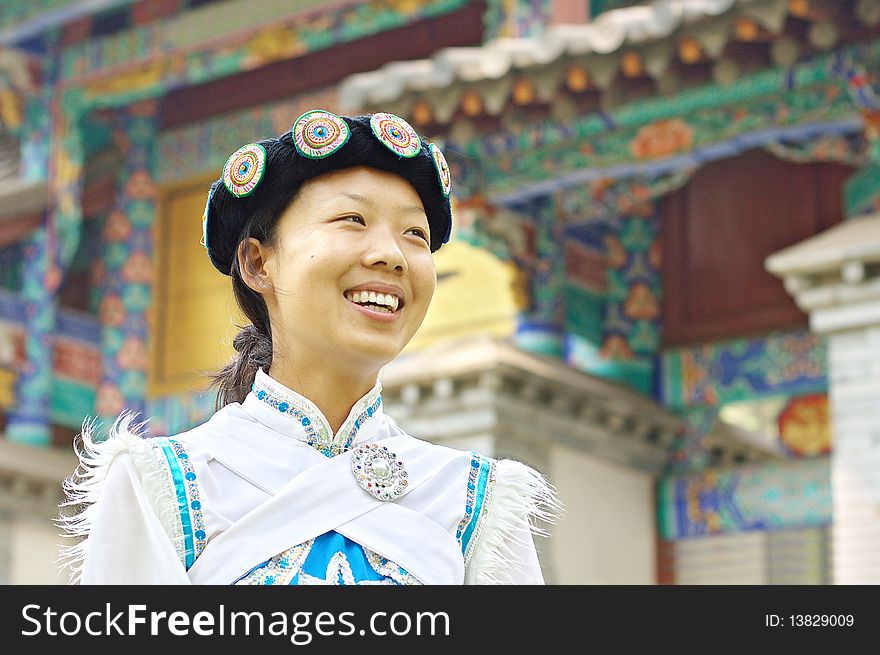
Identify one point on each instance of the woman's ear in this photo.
(252, 259)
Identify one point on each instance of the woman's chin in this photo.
(373, 353)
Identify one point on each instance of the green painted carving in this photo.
(658, 128)
(862, 191)
(584, 311)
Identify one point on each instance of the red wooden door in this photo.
(718, 230)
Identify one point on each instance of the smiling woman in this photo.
(353, 231)
(327, 233)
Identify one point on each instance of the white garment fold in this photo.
(127, 543)
(326, 497)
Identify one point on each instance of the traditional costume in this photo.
(265, 493)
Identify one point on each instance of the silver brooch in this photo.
(379, 472)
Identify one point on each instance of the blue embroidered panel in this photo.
(188, 498)
(330, 559)
(479, 481)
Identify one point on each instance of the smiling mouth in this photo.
(386, 303)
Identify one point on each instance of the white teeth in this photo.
(388, 302)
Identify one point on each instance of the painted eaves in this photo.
(637, 26)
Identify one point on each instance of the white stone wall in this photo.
(608, 533)
(854, 368)
(794, 557)
(31, 551)
(723, 559)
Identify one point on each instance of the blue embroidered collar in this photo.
(285, 410)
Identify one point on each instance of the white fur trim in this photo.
(83, 488)
(521, 497)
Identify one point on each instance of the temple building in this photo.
(661, 291)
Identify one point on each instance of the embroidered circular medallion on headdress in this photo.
(442, 169)
(318, 134)
(244, 169)
(379, 472)
(396, 134)
(205, 218)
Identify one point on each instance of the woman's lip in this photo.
(385, 317)
(381, 287)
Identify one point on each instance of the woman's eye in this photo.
(353, 219)
(419, 232)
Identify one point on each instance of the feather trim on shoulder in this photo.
(83, 488)
(522, 501)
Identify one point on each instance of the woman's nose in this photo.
(385, 251)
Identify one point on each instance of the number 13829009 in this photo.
(821, 620)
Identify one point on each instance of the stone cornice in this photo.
(729, 446)
(486, 385)
(835, 275)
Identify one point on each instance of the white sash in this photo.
(326, 497)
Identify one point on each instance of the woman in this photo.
(328, 234)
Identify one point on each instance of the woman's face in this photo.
(352, 270)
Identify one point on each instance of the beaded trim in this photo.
(189, 499)
(385, 567)
(481, 514)
(442, 167)
(164, 467)
(469, 501)
(284, 567)
(481, 478)
(195, 499)
(362, 418)
(280, 569)
(337, 567)
(318, 134)
(287, 407)
(244, 169)
(396, 134)
(318, 437)
(204, 241)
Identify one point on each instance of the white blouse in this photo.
(265, 493)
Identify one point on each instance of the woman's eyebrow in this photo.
(407, 209)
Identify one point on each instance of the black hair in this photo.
(253, 343)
